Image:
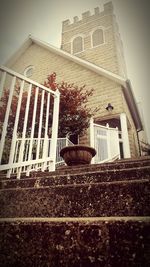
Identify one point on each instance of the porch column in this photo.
(125, 136)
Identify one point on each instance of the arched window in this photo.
(28, 71)
(98, 37)
(77, 45)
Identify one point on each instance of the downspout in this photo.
(140, 152)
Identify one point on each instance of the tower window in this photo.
(97, 37)
(77, 45)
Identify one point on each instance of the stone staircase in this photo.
(92, 215)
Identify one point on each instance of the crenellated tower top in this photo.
(95, 38)
(66, 24)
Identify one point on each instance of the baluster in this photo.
(45, 146)
(16, 152)
(22, 147)
(32, 129)
(40, 126)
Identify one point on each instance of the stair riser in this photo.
(95, 177)
(106, 166)
(90, 200)
(76, 244)
(126, 164)
(95, 167)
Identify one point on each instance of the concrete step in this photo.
(64, 170)
(119, 170)
(76, 242)
(118, 198)
(92, 176)
(118, 164)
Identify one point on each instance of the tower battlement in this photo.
(95, 37)
(107, 8)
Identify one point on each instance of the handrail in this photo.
(22, 77)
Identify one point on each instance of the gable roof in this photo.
(125, 83)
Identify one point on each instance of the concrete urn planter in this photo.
(77, 154)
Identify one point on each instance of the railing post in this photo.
(54, 131)
(2, 83)
(14, 138)
(4, 131)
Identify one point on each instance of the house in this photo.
(91, 53)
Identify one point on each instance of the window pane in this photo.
(98, 37)
(28, 71)
(77, 45)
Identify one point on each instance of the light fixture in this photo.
(109, 107)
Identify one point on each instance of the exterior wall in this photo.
(108, 55)
(105, 90)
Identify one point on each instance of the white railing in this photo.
(61, 142)
(30, 109)
(106, 142)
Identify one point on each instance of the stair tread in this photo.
(91, 177)
(86, 184)
(76, 219)
(120, 164)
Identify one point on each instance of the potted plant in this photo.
(77, 154)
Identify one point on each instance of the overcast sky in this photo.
(43, 19)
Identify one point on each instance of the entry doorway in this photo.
(107, 141)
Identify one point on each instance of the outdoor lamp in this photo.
(109, 107)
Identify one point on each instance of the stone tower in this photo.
(96, 39)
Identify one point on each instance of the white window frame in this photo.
(74, 37)
(30, 67)
(91, 33)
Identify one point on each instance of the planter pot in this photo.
(77, 154)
